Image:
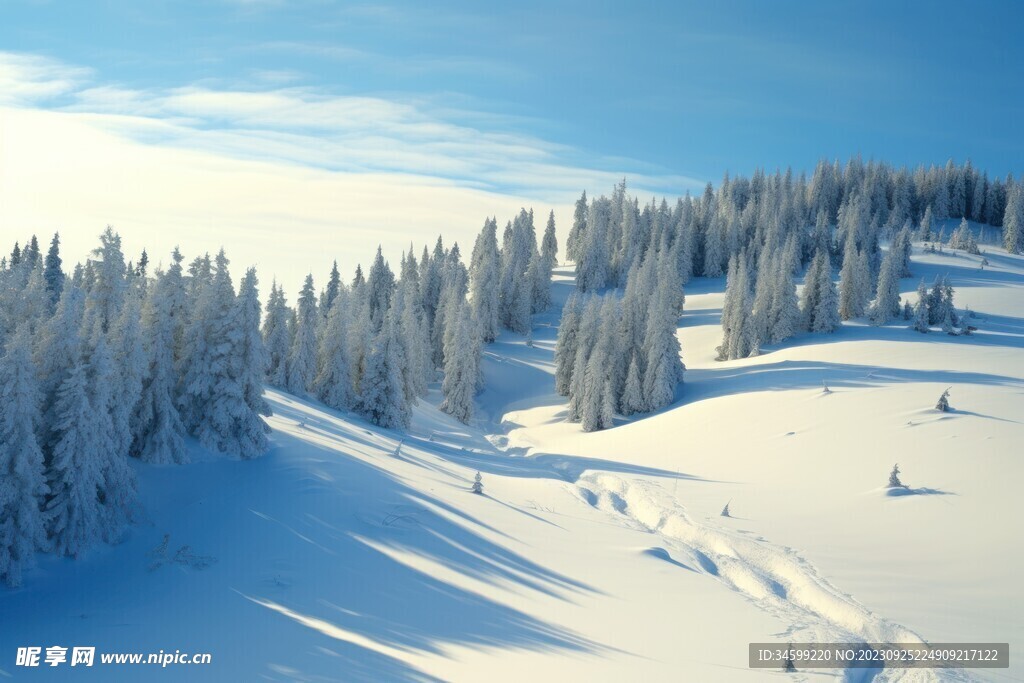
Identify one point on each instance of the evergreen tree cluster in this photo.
(935, 307)
(619, 353)
(873, 200)
(963, 239)
(112, 363)
(373, 346)
(762, 231)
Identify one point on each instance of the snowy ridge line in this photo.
(775, 578)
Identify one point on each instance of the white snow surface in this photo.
(350, 553)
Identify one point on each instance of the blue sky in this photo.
(683, 88)
(348, 125)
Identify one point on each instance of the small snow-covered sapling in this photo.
(725, 510)
(943, 404)
(894, 478)
(478, 484)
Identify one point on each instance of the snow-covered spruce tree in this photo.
(105, 294)
(1013, 220)
(593, 258)
(921, 323)
(158, 432)
(664, 366)
(334, 385)
(819, 302)
(117, 490)
(415, 336)
(331, 292)
(74, 475)
(579, 227)
(277, 337)
(632, 401)
(548, 261)
(597, 406)
(130, 357)
(23, 485)
(566, 344)
(894, 478)
(213, 398)
(381, 397)
(785, 310)
(454, 277)
(902, 245)
(53, 273)
(484, 279)
(251, 354)
(924, 231)
(586, 337)
(739, 340)
(852, 280)
(381, 286)
(461, 365)
(887, 297)
(302, 354)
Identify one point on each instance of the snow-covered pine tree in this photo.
(484, 279)
(894, 478)
(334, 384)
(664, 366)
(117, 490)
(251, 354)
(820, 301)
(53, 273)
(851, 280)
(461, 365)
(921, 323)
(158, 432)
(74, 475)
(277, 337)
(597, 406)
(632, 400)
(785, 311)
(740, 339)
(105, 293)
(566, 344)
(302, 354)
(549, 259)
(333, 288)
(924, 231)
(23, 484)
(573, 243)
(381, 397)
(1013, 220)
(887, 297)
(381, 286)
(130, 359)
(586, 338)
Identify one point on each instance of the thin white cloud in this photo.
(286, 178)
(26, 78)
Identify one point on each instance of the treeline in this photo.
(610, 234)
(114, 363)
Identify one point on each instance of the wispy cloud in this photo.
(288, 177)
(26, 78)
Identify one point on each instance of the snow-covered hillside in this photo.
(353, 553)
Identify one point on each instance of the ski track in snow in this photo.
(775, 578)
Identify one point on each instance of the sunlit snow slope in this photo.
(349, 553)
